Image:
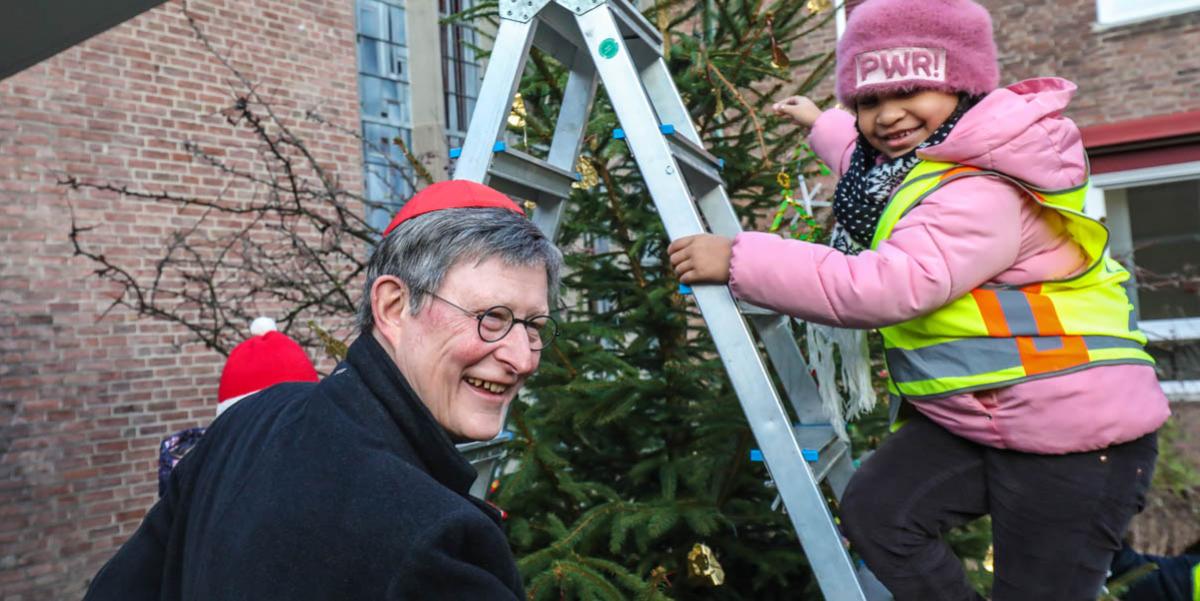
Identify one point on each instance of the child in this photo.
(961, 236)
(267, 358)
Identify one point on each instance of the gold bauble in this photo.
(703, 565)
(817, 6)
(588, 178)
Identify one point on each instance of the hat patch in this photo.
(893, 65)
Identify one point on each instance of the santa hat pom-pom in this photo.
(261, 326)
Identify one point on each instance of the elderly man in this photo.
(352, 488)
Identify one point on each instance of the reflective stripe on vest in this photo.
(998, 336)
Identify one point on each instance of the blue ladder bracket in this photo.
(685, 289)
(667, 129)
(618, 134)
(455, 153)
(810, 455)
(499, 146)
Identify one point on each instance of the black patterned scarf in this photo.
(864, 190)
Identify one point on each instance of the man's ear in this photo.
(389, 306)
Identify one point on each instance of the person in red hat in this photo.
(269, 357)
(353, 488)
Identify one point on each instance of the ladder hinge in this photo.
(521, 10)
(580, 6)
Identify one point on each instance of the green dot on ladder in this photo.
(608, 48)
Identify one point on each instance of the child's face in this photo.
(896, 124)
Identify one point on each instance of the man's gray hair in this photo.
(421, 250)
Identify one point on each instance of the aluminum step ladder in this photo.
(610, 42)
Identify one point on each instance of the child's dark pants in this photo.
(1057, 520)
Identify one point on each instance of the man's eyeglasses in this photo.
(495, 323)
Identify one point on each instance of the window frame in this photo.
(1156, 330)
(1112, 13)
(375, 155)
(454, 40)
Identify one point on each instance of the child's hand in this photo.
(701, 259)
(799, 109)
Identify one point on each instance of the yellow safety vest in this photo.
(1000, 335)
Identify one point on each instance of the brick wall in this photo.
(85, 398)
(1125, 72)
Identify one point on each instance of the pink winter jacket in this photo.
(970, 232)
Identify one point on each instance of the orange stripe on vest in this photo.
(993, 314)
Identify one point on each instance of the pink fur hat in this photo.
(902, 45)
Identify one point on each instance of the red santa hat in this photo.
(269, 357)
(452, 194)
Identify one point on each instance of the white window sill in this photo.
(1101, 27)
(1158, 330)
(1182, 391)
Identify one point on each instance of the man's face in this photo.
(465, 382)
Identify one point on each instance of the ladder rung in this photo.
(829, 457)
(701, 169)
(749, 309)
(635, 27)
(815, 437)
(525, 176)
(551, 40)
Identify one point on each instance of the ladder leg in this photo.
(568, 136)
(500, 82)
(764, 410)
(775, 331)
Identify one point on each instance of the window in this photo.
(1119, 12)
(1154, 217)
(461, 74)
(384, 106)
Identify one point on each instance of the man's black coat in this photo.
(347, 489)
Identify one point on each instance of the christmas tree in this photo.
(631, 474)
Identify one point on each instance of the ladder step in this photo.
(818, 445)
(755, 310)
(526, 176)
(815, 437)
(701, 169)
(829, 458)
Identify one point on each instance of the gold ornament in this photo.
(819, 6)
(588, 178)
(779, 58)
(529, 207)
(516, 118)
(703, 565)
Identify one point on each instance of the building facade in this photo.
(87, 392)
